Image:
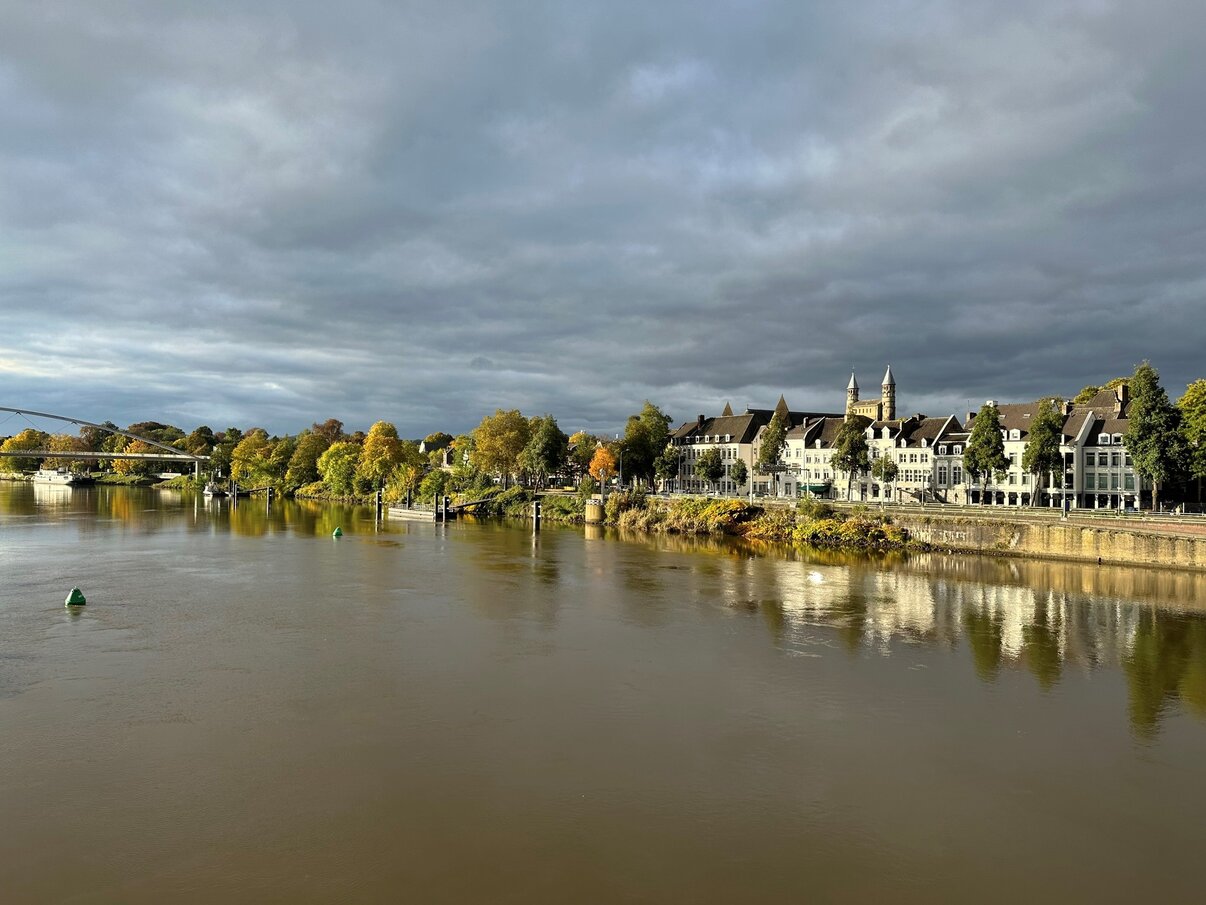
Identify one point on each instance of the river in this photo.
(249, 710)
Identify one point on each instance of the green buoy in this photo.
(75, 598)
(338, 532)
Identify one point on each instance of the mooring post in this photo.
(536, 515)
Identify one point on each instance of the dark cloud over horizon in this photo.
(275, 213)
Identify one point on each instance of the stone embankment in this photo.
(1127, 540)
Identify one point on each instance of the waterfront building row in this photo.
(1098, 472)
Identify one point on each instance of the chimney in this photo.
(700, 423)
(1122, 395)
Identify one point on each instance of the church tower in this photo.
(851, 394)
(889, 395)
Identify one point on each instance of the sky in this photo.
(270, 214)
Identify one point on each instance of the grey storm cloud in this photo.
(273, 213)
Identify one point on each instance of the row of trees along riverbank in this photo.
(1167, 443)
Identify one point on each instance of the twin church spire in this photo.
(882, 409)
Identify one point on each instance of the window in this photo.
(1130, 482)
(1015, 434)
(1115, 460)
(1117, 439)
(1103, 460)
(1013, 479)
(941, 475)
(1103, 439)
(1025, 479)
(1090, 480)
(956, 474)
(924, 458)
(958, 449)
(1113, 482)
(942, 450)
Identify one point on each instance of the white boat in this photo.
(59, 476)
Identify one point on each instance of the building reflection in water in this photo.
(1041, 617)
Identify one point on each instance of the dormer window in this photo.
(942, 450)
(1015, 434)
(1117, 439)
(958, 449)
(1103, 439)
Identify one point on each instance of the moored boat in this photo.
(60, 476)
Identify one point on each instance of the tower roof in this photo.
(853, 384)
(782, 411)
(728, 411)
(889, 380)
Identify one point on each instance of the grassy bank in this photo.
(809, 524)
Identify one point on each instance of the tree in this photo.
(1193, 427)
(985, 451)
(330, 430)
(710, 467)
(30, 438)
(582, 449)
(136, 466)
(499, 440)
(739, 474)
(1153, 434)
(249, 459)
(67, 443)
(380, 454)
(337, 466)
(665, 466)
(645, 437)
(1043, 454)
(200, 442)
(602, 465)
(850, 451)
(885, 470)
(95, 437)
(303, 464)
(546, 452)
(773, 442)
(437, 440)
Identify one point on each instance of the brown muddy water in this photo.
(248, 710)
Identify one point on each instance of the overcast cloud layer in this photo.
(274, 213)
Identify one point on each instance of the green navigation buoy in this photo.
(338, 532)
(75, 598)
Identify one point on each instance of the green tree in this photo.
(499, 440)
(645, 437)
(330, 430)
(94, 437)
(381, 453)
(200, 442)
(1193, 426)
(1043, 454)
(30, 438)
(739, 473)
(435, 484)
(771, 446)
(885, 470)
(850, 451)
(665, 467)
(709, 466)
(337, 466)
(303, 464)
(546, 451)
(437, 440)
(985, 451)
(582, 448)
(249, 459)
(1153, 434)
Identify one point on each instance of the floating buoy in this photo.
(75, 598)
(338, 532)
